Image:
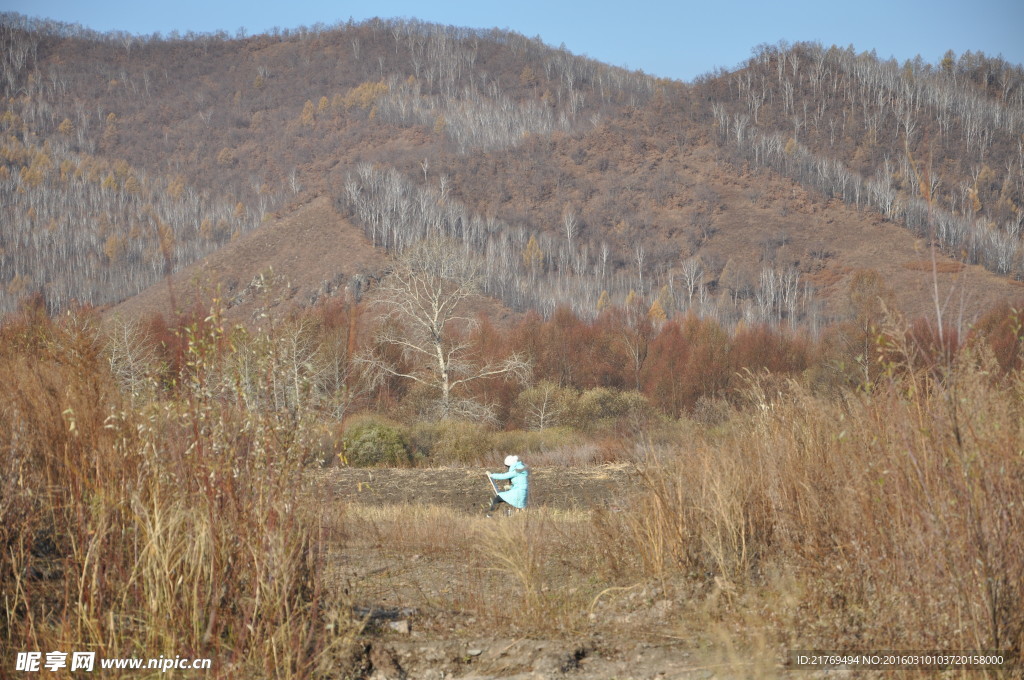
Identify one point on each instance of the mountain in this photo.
(749, 195)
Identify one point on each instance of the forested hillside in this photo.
(754, 195)
(937, 148)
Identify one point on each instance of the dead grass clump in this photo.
(583, 453)
(164, 529)
(531, 442)
(533, 572)
(531, 554)
(828, 277)
(897, 509)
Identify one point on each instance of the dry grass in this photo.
(828, 278)
(946, 267)
(888, 517)
(412, 528)
(897, 512)
(535, 572)
(883, 519)
(164, 529)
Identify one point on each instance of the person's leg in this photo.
(495, 502)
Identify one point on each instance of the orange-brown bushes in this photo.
(1002, 328)
(765, 348)
(934, 348)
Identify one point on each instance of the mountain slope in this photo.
(309, 255)
(572, 181)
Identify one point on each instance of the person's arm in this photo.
(502, 475)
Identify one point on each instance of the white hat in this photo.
(511, 460)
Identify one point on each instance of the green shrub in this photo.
(369, 441)
(594, 406)
(637, 412)
(603, 409)
(545, 405)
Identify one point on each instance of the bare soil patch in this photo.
(446, 592)
(467, 489)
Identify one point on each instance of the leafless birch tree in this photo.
(424, 299)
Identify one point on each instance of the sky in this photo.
(678, 40)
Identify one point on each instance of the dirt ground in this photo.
(467, 489)
(443, 591)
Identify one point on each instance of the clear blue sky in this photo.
(670, 39)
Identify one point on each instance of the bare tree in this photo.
(693, 278)
(544, 404)
(639, 256)
(132, 357)
(634, 333)
(423, 299)
(570, 224)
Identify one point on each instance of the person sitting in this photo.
(519, 475)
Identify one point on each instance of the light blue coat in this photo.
(520, 476)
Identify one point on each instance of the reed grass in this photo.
(895, 512)
(166, 528)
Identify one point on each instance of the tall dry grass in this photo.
(534, 573)
(166, 528)
(895, 515)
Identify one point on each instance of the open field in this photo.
(466, 489)
(447, 592)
